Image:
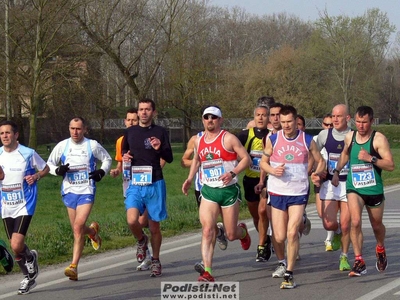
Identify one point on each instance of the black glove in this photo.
(97, 175)
(61, 170)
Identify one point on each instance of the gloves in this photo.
(61, 170)
(97, 175)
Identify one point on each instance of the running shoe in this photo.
(288, 282)
(328, 246)
(71, 272)
(142, 249)
(95, 239)
(32, 266)
(344, 263)
(6, 259)
(279, 271)
(221, 238)
(359, 268)
(26, 285)
(268, 247)
(206, 277)
(307, 224)
(246, 241)
(199, 267)
(337, 241)
(381, 261)
(145, 265)
(155, 268)
(261, 255)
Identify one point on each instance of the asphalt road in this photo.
(113, 275)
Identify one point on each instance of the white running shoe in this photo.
(146, 264)
(279, 271)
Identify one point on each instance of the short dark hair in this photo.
(13, 125)
(287, 110)
(266, 101)
(132, 110)
(76, 119)
(148, 100)
(365, 110)
(276, 104)
(328, 115)
(302, 119)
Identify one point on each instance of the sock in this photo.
(208, 269)
(244, 233)
(380, 248)
(21, 263)
(359, 257)
(155, 258)
(329, 235)
(260, 246)
(219, 232)
(343, 254)
(283, 261)
(269, 231)
(289, 272)
(268, 239)
(27, 253)
(73, 266)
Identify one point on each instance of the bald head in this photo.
(340, 117)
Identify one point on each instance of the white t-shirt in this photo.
(82, 159)
(18, 198)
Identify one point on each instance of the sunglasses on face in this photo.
(206, 117)
(328, 124)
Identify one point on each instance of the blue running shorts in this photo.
(151, 197)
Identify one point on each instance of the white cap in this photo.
(213, 111)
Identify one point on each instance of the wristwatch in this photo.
(374, 159)
(233, 174)
(336, 171)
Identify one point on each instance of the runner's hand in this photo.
(61, 170)
(97, 175)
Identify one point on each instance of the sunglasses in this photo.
(206, 117)
(328, 124)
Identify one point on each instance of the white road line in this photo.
(382, 290)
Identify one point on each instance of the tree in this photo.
(135, 35)
(37, 35)
(347, 44)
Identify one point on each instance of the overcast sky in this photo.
(308, 10)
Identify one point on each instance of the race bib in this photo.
(255, 160)
(142, 175)
(78, 175)
(332, 163)
(126, 171)
(12, 194)
(212, 170)
(363, 175)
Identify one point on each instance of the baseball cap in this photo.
(213, 111)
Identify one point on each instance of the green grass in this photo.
(51, 234)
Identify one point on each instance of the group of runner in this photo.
(278, 159)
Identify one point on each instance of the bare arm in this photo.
(381, 145)
(194, 167)
(343, 159)
(265, 163)
(186, 160)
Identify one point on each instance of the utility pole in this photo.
(7, 54)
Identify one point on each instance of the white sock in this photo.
(329, 235)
